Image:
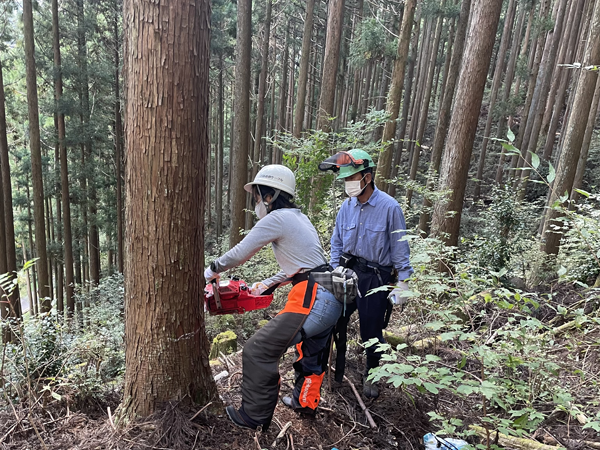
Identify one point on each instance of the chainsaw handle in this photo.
(216, 294)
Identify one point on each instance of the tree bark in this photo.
(6, 200)
(220, 153)
(118, 147)
(395, 95)
(574, 135)
(166, 46)
(241, 132)
(498, 73)
(64, 169)
(36, 158)
(536, 54)
(423, 115)
(304, 60)
(463, 124)
(547, 69)
(508, 80)
(262, 83)
(585, 146)
(443, 120)
(281, 115)
(559, 100)
(92, 203)
(335, 20)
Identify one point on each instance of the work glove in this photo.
(258, 288)
(209, 275)
(398, 295)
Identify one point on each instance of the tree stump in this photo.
(225, 342)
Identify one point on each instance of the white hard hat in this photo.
(275, 176)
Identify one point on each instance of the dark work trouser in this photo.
(371, 313)
(260, 358)
(310, 368)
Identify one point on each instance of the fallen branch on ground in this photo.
(361, 403)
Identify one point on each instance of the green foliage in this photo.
(580, 249)
(502, 229)
(371, 43)
(52, 355)
(499, 361)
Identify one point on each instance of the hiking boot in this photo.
(292, 403)
(242, 420)
(370, 389)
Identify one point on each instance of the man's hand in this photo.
(209, 275)
(398, 295)
(258, 288)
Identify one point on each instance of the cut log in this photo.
(513, 442)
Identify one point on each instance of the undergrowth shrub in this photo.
(501, 231)
(580, 249)
(81, 359)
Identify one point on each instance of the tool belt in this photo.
(300, 276)
(356, 262)
(341, 282)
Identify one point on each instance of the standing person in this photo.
(308, 316)
(367, 239)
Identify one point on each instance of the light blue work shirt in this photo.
(365, 230)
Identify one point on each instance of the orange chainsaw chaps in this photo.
(295, 302)
(310, 394)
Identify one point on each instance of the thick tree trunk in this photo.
(36, 157)
(498, 74)
(395, 95)
(574, 134)
(241, 132)
(167, 148)
(463, 124)
(335, 20)
(443, 120)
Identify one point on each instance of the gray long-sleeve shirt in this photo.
(294, 239)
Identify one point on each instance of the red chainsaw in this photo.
(233, 296)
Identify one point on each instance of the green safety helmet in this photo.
(347, 163)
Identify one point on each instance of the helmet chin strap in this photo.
(277, 192)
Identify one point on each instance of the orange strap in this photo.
(301, 298)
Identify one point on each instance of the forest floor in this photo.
(400, 415)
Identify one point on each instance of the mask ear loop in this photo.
(277, 192)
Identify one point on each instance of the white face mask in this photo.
(353, 188)
(260, 209)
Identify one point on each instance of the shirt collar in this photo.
(372, 199)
